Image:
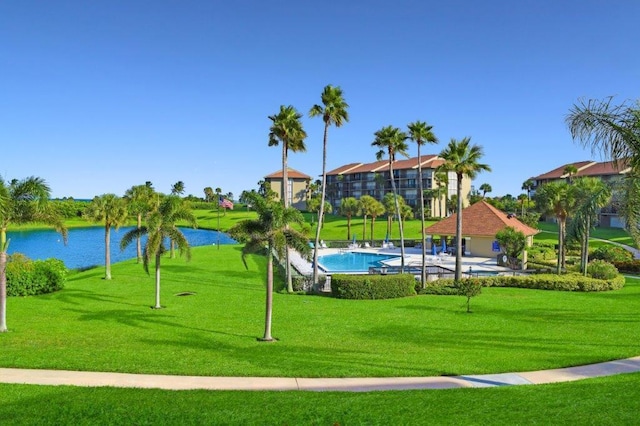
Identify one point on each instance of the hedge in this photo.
(568, 282)
(29, 278)
(372, 286)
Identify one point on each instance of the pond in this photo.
(85, 246)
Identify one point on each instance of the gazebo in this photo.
(480, 224)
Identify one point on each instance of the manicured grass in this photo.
(605, 401)
(108, 326)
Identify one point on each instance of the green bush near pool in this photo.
(372, 286)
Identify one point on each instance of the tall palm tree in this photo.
(528, 186)
(613, 131)
(366, 204)
(22, 201)
(442, 181)
(160, 225)
(462, 158)
(112, 211)
(557, 198)
(420, 132)
(591, 194)
(270, 230)
(393, 142)
(177, 188)
(333, 111)
(286, 130)
(140, 200)
(349, 207)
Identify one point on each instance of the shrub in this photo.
(601, 270)
(29, 278)
(630, 267)
(469, 288)
(372, 286)
(611, 253)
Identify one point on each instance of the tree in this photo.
(614, 131)
(512, 242)
(22, 201)
(556, 198)
(485, 188)
(333, 111)
(570, 170)
(208, 194)
(140, 200)
(420, 132)
(591, 194)
(161, 225)
(286, 130)
(177, 188)
(374, 210)
(462, 158)
(271, 230)
(349, 207)
(112, 211)
(392, 142)
(367, 204)
(442, 180)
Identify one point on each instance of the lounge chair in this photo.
(323, 244)
(366, 245)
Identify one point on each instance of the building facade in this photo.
(374, 179)
(297, 188)
(610, 172)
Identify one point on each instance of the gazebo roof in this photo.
(479, 220)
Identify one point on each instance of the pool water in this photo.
(352, 261)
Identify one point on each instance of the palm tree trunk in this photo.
(364, 227)
(139, 240)
(158, 306)
(395, 199)
(321, 213)
(560, 245)
(3, 286)
(348, 227)
(423, 272)
(285, 200)
(269, 300)
(458, 273)
(107, 252)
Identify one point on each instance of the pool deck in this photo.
(413, 258)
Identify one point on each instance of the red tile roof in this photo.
(587, 168)
(480, 220)
(428, 161)
(293, 174)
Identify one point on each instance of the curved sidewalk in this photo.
(95, 379)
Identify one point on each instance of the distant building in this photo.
(298, 186)
(374, 179)
(608, 171)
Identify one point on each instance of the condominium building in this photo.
(374, 179)
(297, 188)
(608, 171)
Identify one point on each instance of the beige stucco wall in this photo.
(299, 197)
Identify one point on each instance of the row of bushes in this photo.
(26, 277)
(372, 286)
(568, 282)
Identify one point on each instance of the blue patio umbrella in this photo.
(433, 249)
(386, 238)
(354, 239)
(444, 244)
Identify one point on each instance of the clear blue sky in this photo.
(97, 96)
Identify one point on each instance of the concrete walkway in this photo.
(124, 380)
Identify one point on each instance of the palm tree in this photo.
(22, 201)
(160, 225)
(366, 205)
(442, 180)
(333, 111)
(349, 207)
(591, 194)
(140, 201)
(177, 188)
(462, 158)
(270, 230)
(485, 187)
(570, 170)
(112, 211)
(393, 142)
(287, 130)
(614, 131)
(556, 198)
(528, 186)
(421, 134)
(208, 194)
(375, 209)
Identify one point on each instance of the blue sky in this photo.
(98, 96)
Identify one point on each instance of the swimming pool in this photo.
(351, 261)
